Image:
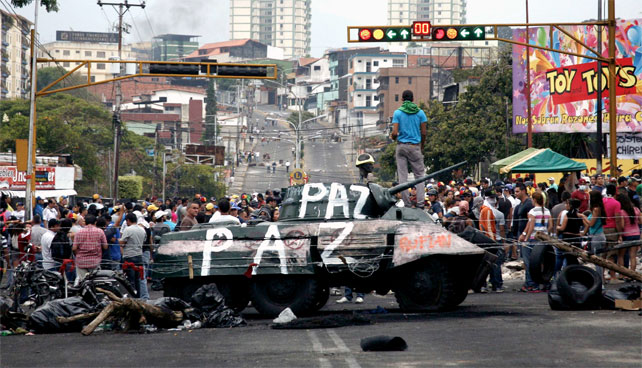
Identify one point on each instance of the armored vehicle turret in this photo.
(328, 234)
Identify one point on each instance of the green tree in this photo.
(211, 127)
(70, 125)
(49, 75)
(50, 5)
(305, 115)
(187, 180)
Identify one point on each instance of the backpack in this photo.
(458, 224)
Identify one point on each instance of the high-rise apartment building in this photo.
(278, 23)
(15, 56)
(402, 12)
(173, 46)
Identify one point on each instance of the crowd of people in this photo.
(604, 218)
(76, 239)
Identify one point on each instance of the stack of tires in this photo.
(576, 288)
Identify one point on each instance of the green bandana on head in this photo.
(409, 107)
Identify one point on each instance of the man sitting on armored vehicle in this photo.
(266, 213)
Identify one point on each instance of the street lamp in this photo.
(297, 131)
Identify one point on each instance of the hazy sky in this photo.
(209, 18)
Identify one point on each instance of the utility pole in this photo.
(117, 123)
(598, 106)
(30, 188)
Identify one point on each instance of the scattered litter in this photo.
(332, 321)
(378, 310)
(383, 343)
(214, 312)
(43, 319)
(285, 316)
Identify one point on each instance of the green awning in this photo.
(535, 160)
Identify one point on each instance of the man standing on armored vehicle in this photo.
(409, 129)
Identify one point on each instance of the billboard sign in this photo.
(12, 179)
(563, 87)
(71, 36)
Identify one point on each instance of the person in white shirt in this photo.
(50, 212)
(48, 262)
(19, 213)
(224, 217)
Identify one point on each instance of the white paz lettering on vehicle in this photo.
(318, 201)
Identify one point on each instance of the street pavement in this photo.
(324, 160)
(488, 330)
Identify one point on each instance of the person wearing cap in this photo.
(209, 211)
(224, 207)
(160, 225)
(581, 194)
(622, 183)
(97, 198)
(435, 205)
(551, 183)
(631, 191)
(39, 207)
(234, 210)
(152, 208)
(19, 213)
(409, 130)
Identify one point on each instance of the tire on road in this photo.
(588, 296)
(270, 295)
(542, 263)
(428, 286)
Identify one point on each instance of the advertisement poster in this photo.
(12, 179)
(563, 87)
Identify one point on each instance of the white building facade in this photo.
(15, 56)
(284, 24)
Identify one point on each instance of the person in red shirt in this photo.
(89, 243)
(581, 195)
(613, 223)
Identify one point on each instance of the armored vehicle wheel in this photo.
(322, 297)
(270, 295)
(427, 287)
(236, 293)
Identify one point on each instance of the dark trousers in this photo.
(132, 276)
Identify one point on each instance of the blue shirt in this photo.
(409, 126)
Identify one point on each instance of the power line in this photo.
(140, 39)
(149, 23)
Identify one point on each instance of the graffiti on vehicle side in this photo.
(410, 243)
(338, 200)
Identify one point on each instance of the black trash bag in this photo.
(177, 305)
(207, 298)
(610, 296)
(43, 319)
(223, 317)
(383, 343)
(632, 292)
(555, 300)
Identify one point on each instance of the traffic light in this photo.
(170, 68)
(242, 71)
(458, 33)
(421, 28)
(385, 34)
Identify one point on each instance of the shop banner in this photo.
(563, 87)
(12, 179)
(629, 145)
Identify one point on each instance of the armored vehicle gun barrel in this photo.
(401, 187)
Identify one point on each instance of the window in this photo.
(65, 64)
(409, 80)
(375, 63)
(65, 52)
(376, 98)
(87, 53)
(438, 13)
(396, 80)
(397, 63)
(93, 78)
(317, 67)
(77, 51)
(100, 66)
(396, 98)
(57, 51)
(100, 54)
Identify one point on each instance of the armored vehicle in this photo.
(328, 234)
